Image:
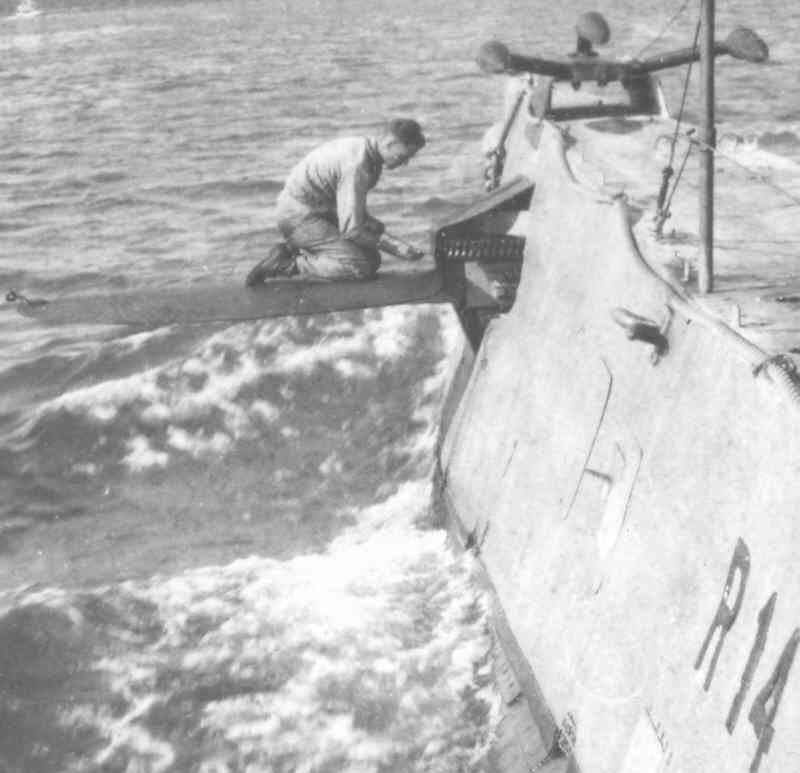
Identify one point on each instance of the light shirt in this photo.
(333, 181)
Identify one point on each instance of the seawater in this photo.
(217, 551)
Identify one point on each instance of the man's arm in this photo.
(351, 208)
(399, 248)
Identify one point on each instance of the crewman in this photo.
(322, 210)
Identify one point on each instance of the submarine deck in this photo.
(757, 237)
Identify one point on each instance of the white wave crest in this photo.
(201, 405)
(373, 654)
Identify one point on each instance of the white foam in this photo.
(135, 341)
(367, 655)
(124, 733)
(265, 410)
(385, 334)
(421, 445)
(206, 387)
(197, 443)
(392, 330)
(354, 369)
(330, 464)
(142, 456)
(305, 359)
(745, 150)
(89, 469)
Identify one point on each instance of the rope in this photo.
(663, 202)
(683, 97)
(678, 176)
(664, 29)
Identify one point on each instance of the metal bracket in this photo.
(638, 328)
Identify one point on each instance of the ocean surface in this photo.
(217, 550)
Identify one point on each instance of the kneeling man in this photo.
(322, 209)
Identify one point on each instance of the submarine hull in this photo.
(625, 464)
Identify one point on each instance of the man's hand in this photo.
(399, 248)
(412, 254)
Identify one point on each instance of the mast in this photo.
(708, 139)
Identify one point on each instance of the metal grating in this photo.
(465, 249)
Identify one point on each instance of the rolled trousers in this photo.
(324, 253)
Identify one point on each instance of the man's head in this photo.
(400, 141)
